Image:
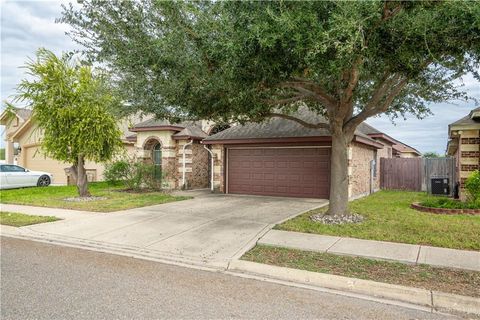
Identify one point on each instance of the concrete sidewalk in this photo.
(400, 252)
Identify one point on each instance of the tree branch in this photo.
(287, 100)
(346, 97)
(313, 89)
(300, 121)
(376, 108)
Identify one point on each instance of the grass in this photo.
(420, 276)
(448, 203)
(54, 196)
(20, 219)
(388, 217)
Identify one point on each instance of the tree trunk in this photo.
(82, 182)
(339, 174)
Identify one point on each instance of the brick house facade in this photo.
(464, 145)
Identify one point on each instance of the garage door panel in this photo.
(299, 172)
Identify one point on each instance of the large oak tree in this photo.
(250, 60)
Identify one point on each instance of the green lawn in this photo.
(420, 276)
(390, 218)
(20, 219)
(54, 196)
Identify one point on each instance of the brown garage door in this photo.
(290, 172)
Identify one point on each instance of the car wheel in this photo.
(43, 181)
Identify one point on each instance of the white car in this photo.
(12, 176)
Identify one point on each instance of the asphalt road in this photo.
(44, 281)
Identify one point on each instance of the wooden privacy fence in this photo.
(401, 173)
(415, 173)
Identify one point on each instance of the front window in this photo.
(157, 160)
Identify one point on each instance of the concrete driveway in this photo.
(208, 227)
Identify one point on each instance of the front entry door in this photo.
(157, 161)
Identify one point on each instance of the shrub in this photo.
(447, 203)
(116, 171)
(133, 174)
(472, 184)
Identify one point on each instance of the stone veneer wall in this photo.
(169, 166)
(199, 177)
(359, 157)
(218, 163)
(468, 157)
(196, 165)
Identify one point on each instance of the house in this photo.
(281, 157)
(22, 147)
(401, 150)
(464, 145)
(277, 157)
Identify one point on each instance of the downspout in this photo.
(211, 166)
(184, 169)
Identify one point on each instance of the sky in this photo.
(29, 25)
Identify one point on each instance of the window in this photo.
(157, 160)
(11, 168)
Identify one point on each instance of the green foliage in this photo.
(72, 107)
(431, 155)
(239, 60)
(448, 203)
(133, 174)
(2, 154)
(472, 184)
(20, 219)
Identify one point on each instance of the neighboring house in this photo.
(282, 158)
(22, 147)
(464, 145)
(401, 150)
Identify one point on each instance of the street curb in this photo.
(436, 301)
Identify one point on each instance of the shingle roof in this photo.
(368, 129)
(155, 123)
(191, 131)
(23, 113)
(467, 119)
(281, 128)
(401, 147)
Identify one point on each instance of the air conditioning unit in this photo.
(440, 186)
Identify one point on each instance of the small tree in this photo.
(72, 107)
(431, 154)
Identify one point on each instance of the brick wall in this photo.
(359, 169)
(468, 156)
(199, 177)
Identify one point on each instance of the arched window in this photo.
(157, 160)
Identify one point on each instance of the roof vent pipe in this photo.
(184, 168)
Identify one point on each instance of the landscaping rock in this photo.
(84, 199)
(343, 219)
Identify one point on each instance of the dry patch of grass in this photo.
(420, 276)
(20, 219)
